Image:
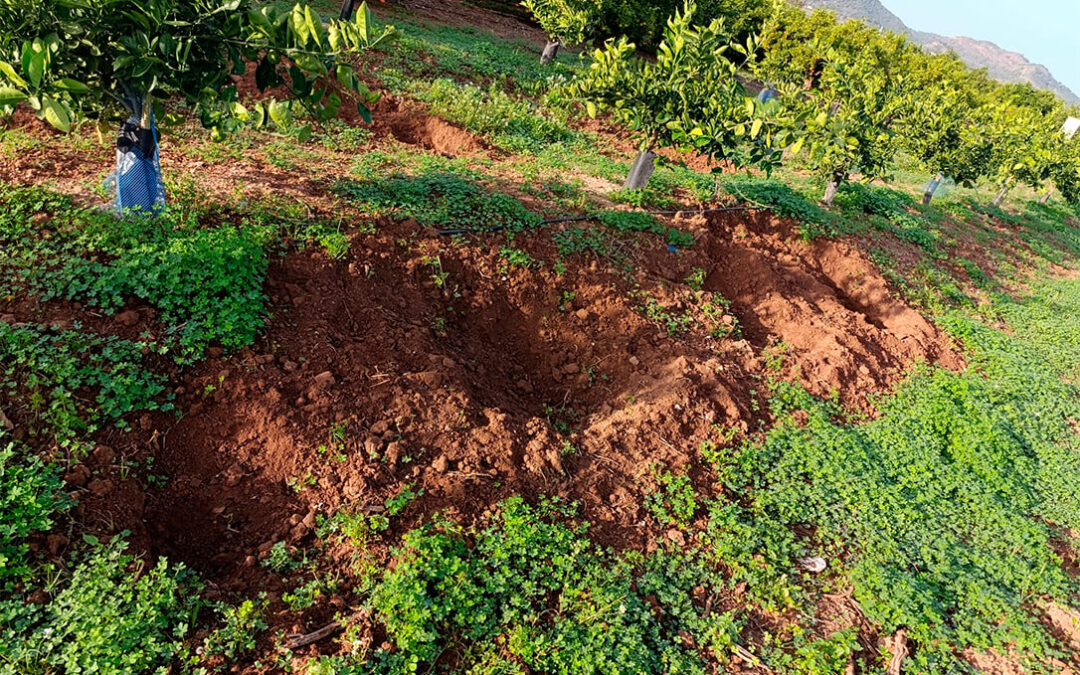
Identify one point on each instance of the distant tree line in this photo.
(844, 96)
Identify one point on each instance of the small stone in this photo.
(128, 318)
(393, 453)
(325, 380)
(55, 543)
(38, 597)
(431, 378)
(103, 455)
(249, 561)
(78, 475)
(571, 368)
(100, 487)
(380, 427)
(864, 370)
(448, 362)
(633, 360)
(265, 547)
(289, 366)
(440, 464)
(582, 314)
(309, 520)
(814, 564)
(677, 537)
(371, 448)
(299, 532)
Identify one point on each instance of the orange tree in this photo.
(123, 60)
(688, 97)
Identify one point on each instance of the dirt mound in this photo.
(822, 303)
(504, 381)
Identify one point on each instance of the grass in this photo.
(440, 194)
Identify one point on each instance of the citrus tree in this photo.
(1022, 147)
(131, 61)
(792, 44)
(1065, 173)
(849, 116)
(566, 22)
(688, 98)
(940, 126)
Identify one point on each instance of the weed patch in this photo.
(438, 199)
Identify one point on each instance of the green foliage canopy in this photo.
(96, 58)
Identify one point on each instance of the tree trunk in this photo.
(931, 188)
(1000, 197)
(347, 9)
(830, 192)
(550, 52)
(1046, 196)
(641, 171)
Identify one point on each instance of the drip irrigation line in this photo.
(578, 219)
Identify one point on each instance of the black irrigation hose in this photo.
(578, 219)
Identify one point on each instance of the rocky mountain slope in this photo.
(1002, 64)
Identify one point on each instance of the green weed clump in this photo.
(636, 221)
(533, 582)
(31, 497)
(782, 200)
(52, 370)
(438, 198)
(508, 122)
(206, 282)
(431, 51)
(942, 510)
(114, 614)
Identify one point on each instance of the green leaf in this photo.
(9, 70)
(36, 68)
(280, 113)
(73, 86)
(310, 64)
(755, 128)
(314, 25)
(10, 97)
(56, 113)
(364, 20)
(299, 26)
(258, 115)
(590, 108)
(239, 111)
(365, 113)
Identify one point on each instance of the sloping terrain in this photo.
(372, 398)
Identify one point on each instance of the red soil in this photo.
(480, 390)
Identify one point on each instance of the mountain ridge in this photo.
(1000, 63)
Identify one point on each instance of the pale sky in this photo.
(1045, 31)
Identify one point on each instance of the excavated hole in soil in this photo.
(473, 409)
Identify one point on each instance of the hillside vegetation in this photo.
(423, 386)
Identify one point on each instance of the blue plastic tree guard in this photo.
(138, 172)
